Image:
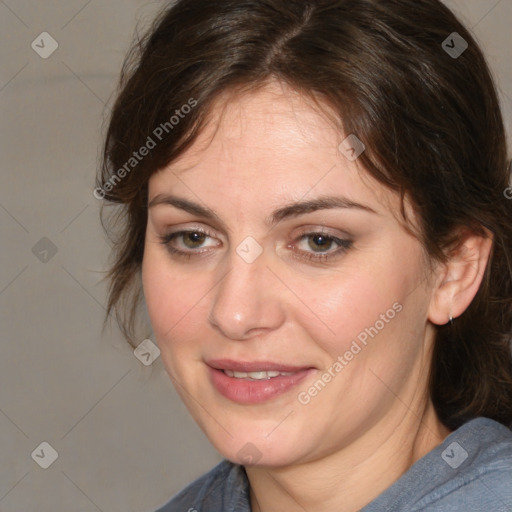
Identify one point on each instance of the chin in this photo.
(256, 450)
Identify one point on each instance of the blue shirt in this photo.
(470, 471)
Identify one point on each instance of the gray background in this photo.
(123, 438)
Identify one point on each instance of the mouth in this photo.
(259, 375)
(254, 382)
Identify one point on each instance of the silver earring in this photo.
(451, 318)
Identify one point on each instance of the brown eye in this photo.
(320, 242)
(188, 244)
(320, 247)
(193, 239)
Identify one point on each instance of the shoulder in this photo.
(474, 469)
(225, 487)
(480, 446)
(483, 469)
(470, 470)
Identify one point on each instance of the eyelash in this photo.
(344, 245)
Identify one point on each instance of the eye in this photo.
(321, 246)
(193, 239)
(186, 243)
(314, 246)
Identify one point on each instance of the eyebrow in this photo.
(291, 210)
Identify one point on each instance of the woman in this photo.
(312, 202)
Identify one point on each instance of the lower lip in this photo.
(245, 391)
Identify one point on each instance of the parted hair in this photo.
(397, 76)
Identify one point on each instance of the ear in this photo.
(460, 277)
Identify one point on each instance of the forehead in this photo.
(272, 142)
(273, 121)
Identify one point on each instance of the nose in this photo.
(246, 302)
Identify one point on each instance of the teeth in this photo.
(255, 375)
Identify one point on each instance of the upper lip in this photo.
(253, 366)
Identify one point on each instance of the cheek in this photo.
(172, 297)
(349, 303)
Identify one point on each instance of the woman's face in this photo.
(269, 250)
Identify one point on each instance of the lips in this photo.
(256, 381)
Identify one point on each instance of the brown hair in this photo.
(431, 123)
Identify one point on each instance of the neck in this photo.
(350, 478)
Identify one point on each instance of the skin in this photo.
(262, 151)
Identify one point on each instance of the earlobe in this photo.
(460, 278)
